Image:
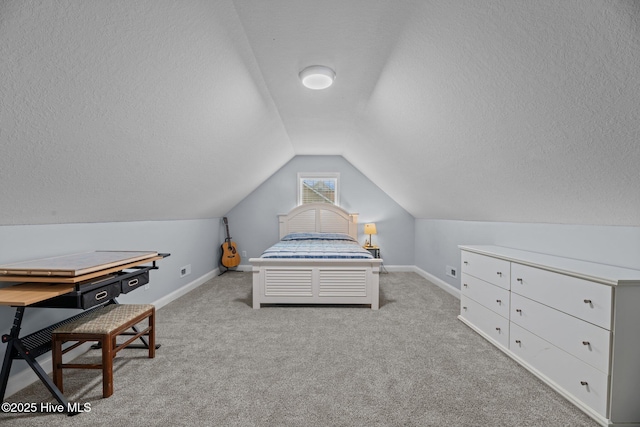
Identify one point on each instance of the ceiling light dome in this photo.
(317, 77)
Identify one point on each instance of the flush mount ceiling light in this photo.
(317, 77)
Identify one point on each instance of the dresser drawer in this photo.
(492, 270)
(586, 341)
(491, 296)
(580, 298)
(582, 381)
(492, 324)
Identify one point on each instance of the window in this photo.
(318, 188)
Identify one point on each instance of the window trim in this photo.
(319, 175)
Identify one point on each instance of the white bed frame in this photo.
(316, 281)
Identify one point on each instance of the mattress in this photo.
(317, 246)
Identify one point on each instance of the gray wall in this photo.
(253, 222)
(192, 242)
(437, 242)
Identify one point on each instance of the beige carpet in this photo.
(412, 363)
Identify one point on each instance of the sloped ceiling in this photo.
(130, 110)
(497, 110)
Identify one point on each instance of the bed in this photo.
(316, 270)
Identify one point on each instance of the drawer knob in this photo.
(519, 279)
(584, 383)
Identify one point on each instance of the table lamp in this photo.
(370, 229)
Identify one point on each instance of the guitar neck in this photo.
(226, 226)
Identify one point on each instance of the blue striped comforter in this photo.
(317, 245)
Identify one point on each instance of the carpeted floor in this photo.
(411, 363)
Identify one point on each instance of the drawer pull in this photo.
(464, 308)
(499, 301)
(101, 295)
(587, 301)
(584, 383)
(466, 263)
(499, 273)
(498, 329)
(465, 285)
(519, 279)
(133, 282)
(518, 342)
(586, 343)
(518, 310)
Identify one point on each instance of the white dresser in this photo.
(574, 324)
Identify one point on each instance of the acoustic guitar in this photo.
(230, 256)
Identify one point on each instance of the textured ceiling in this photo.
(478, 110)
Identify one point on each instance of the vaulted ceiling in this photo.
(496, 110)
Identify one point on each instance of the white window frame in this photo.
(319, 175)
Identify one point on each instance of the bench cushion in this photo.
(104, 320)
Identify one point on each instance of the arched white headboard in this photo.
(320, 218)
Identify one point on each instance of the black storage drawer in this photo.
(87, 294)
(133, 282)
(99, 295)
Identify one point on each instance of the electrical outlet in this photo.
(451, 271)
(244, 254)
(185, 271)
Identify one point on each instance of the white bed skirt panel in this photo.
(318, 281)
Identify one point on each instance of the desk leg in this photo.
(10, 350)
(55, 392)
(15, 349)
(6, 368)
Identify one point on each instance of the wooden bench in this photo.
(103, 325)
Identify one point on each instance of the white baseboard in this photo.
(26, 377)
(430, 277)
(398, 268)
(438, 282)
(185, 289)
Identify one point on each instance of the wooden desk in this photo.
(87, 280)
(74, 268)
(25, 294)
